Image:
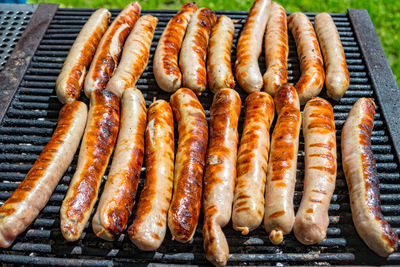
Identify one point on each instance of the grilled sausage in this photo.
(337, 75)
(312, 218)
(184, 210)
(248, 205)
(192, 59)
(107, 54)
(32, 194)
(219, 72)
(70, 80)
(134, 57)
(281, 172)
(276, 49)
(148, 229)
(220, 174)
(362, 179)
(249, 47)
(117, 200)
(165, 63)
(311, 64)
(96, 148)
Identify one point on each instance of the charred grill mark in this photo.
(277, 214)
(315, 200)
(323, 192)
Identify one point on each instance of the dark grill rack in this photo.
(32, 116)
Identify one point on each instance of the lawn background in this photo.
(385, 14)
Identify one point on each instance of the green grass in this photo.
(384, 14)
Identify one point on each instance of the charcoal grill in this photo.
(28, 114)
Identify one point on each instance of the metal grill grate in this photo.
(31, 119)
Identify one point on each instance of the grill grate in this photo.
(32, 116)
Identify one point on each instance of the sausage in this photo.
(281, 172)
(219, 72)
(96, 148)
(312, 218)
(311, 64)
(192, 59)
(117, 199)
(337, 75)
(165, 63)
(107, 54)
(249, 47)
(134, 57)
(70, 80)
(276, 49)
(248, 204)
(220, 174)
(148, 229)
(183, 213)
(32, 194)
(362, 179)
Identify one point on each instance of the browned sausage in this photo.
(96, 148)
(362, 179)
(248, 205)
(311, 64)
(70, 80)
(184, 210)
(148, 229)
(276, 49)
(117, 199)
(249, 47)
(107, 54)
(220, 174)
(312, 218)
(32, 194)
(192, 59)
(337, 75)
(165, 63)
(281, 173)
(134, 57)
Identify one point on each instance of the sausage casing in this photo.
(219, 71)
(362, 179)
(148, 229)
(134, 56)
(312, 218)
(165, 63)
(184, 210)
(96, 148)
(248, 205)
(220, 174)
(32, 194)
(70, 80)
(117, 199)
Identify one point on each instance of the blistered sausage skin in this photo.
(96, 148)
(165, 63)
(248, 204)
(184, 210)
(312, 218)
(362, 179)
(117, 199)
(281, 172)
(148, 229)
(247, 71)
(276, 49)
(311, 64)
(219, 71)
(220, 174)
(134, 56)
(70, 80)
(107, 54)
(32, 194)
(337, 75)
(192, 58)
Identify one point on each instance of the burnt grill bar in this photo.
(29, 122)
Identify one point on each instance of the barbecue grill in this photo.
(28, 116)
